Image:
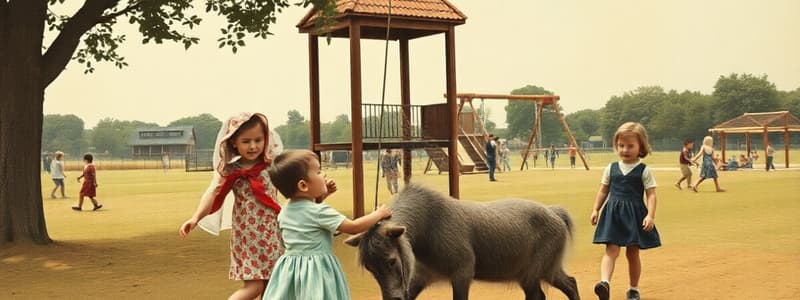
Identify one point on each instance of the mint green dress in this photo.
(308, 269)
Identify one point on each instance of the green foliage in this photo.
(206, 128)
(790, 101)
(295, 118)
(295, 133)
(162, 21)
(584, 123)
(520, 117)
(338, 131)
(738, 94)
(62, 132)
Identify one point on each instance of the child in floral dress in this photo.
(245, 148)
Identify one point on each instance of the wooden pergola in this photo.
(367, 19)
(764, 123)
(541, 101)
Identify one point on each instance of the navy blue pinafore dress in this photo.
(620, 222)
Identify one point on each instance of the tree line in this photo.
(669, 116)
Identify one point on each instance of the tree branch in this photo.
(60, 51)
(126, 10)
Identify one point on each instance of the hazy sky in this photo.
(584, 51)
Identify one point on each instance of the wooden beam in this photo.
(357, 124)
(313, 81)
(569, 133)
(384, 144)
(452, 149)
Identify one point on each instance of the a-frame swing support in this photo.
(541, 101)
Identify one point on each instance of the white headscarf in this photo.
(224, 155)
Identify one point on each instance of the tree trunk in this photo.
(21, 104)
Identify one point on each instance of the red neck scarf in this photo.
(252, 175)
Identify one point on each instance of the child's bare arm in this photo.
(203, 208)
(363, 223)
(649, 220)
(599, 199)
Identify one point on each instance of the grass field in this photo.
(733, 245)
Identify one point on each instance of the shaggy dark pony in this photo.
(431, 236)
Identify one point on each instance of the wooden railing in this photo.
(393, 121)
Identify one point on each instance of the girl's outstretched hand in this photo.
(648, 223)
(594, 217)
(187, 227)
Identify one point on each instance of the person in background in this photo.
(491, 156)
(707, 167)
(89, 187)
(685, 161)
(165, 161)
(46, 161)
(389, 164)
(505, 157)
(770, 157)
(57, 174)
(573, 151)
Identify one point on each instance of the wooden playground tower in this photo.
(368, 19)
(541, 101)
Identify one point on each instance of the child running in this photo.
(89, 188)
(308, 269)
(707, 168)
(685, 161)
(626, 221)
(244, 150)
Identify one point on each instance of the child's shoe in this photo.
(633, 294)
(96, 207)
(76, 208)
(601, 289)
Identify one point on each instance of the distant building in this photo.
(596, 141)
(177, 141)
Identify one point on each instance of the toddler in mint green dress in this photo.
(308, 269)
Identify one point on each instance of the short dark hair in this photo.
(688, 141)
(88, 157)
(289, 168)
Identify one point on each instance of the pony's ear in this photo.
(354, 240)
(394, 231)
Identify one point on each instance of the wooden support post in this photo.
(452, 149)
(569, 133)
(313, 81)
(357, 124)
(722, 145)
(405, 99)
(527, 152)
(786, 146)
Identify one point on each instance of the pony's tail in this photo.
(564, 215)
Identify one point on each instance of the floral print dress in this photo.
(255, 239)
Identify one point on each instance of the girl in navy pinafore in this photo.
(626, 221)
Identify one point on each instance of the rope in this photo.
(383, 101)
